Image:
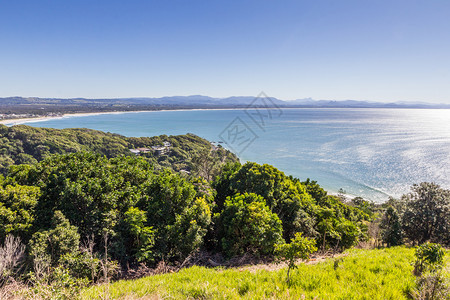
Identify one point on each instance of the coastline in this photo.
(18, 121)
(11, 122)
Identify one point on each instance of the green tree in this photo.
(178, 215)
(391, 228)
(143, 237)
(284, 196)
(206, 164)
(427, 215)
(17, 209)
(248, 225)
(50, 245)
(299, 248)
(190, 228)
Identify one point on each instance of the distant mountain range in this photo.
(198, 101)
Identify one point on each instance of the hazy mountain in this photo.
(209, 102)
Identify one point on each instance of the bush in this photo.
(432, 287)
(190, 228)
(248, 225)
(82, 265)
(50, 245)
(143, 237)
(429, 257)
(299, 248)
(391, 228)
(284, 195)
(12, 255)
(57, 284)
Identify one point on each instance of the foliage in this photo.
(23, 144)
(366, 206)
(429, 257)
(391, 228)
(206, 164)
(248, 225)
(17, 206)
(299, 248)
(82, 265)
(57, 284)
(299, 205)
(431, 283)
(285, 197)
(432, 286)
(143, 237)
(50, 245)
(179, 217)
(427, 215)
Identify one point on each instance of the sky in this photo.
(362, 50)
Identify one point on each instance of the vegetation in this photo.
(431, 282)
(77, 208)
(418, 217)
(299, 248)
(248, 226)
(429, 257)
(358, 274)
(23, 144)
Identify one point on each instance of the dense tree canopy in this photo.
(23, 144)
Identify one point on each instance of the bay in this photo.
(373, 153)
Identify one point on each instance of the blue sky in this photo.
(364, 50)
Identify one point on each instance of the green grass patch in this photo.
(362, 274)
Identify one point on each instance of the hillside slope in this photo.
(361, 274)
(24, 144)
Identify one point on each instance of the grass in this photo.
(361, 274)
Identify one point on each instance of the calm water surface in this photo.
(374, 153)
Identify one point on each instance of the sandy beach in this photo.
(11, 122)
(18, 121)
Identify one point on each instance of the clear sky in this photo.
(364, 50)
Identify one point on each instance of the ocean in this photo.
(372, 153)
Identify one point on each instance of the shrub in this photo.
(17, 205)
(299, 248)
(285, 196)
(12, 254)
(190, 228)
(391, 228)
(50, 245)
(56, 284)
(432, 287)
(143, 237)
(429, 257)
(248, 225)
(82, 265)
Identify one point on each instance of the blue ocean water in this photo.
(373, 153)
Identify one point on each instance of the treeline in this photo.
(23, 144)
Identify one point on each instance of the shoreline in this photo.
(18, 121)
